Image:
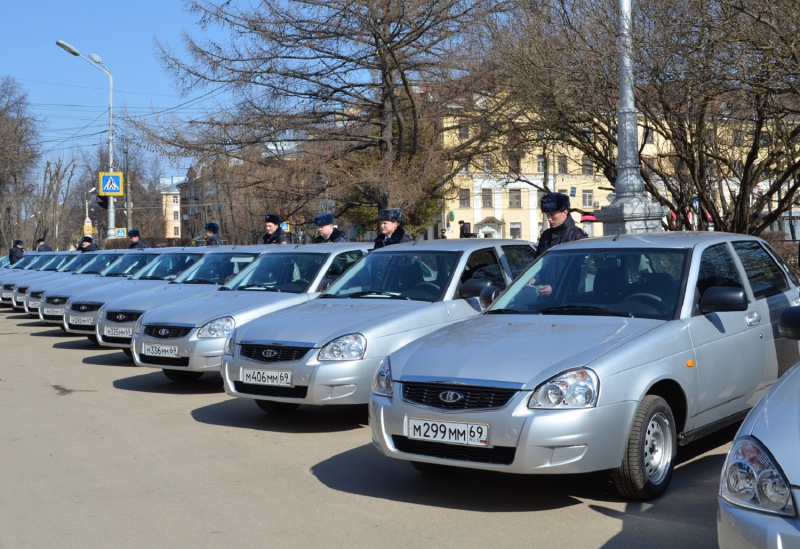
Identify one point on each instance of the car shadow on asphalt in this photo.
(154, 381)
(108, 358)
(55, 332)
(243, 413)
(81, 344)
(24, 316)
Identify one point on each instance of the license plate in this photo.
(56, 312)
(19, 299)
(85, 321)
(118, 332)
(33, 304)
(7, 295)
(469, 434)
(160, 350)
(268, 377)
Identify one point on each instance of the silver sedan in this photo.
(324, 352)
(604, 355)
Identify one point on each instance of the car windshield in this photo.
(279, 272)
(76, 262)
(33, 262)
(619, 282)
(47, 261)
(167, 266)
(57, 262)
(128, 264)
(216, 268)
(100, 262)
(397, 275)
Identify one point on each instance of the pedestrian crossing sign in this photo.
(110, 184)
(121, 233)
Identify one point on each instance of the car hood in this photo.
(112, 291)
(84, 283)
(320, 320)
(165, 294)
(778, 424)
(526, 349)
(204, 308)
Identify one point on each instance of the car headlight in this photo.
(382, 383)
(572, 389)
(220, 327)
(230, 344)
(137, 328)
(751, 479)
(346, 347)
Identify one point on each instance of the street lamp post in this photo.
(97, 62)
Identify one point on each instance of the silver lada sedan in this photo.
(160, 266)
(759, 488)
(24, 267)
(187, 338)
(118, 317)
(604, 355)
(45, 271)
(33, 295)
(324, 352)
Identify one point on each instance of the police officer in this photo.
(16, 252)
(274, 234)
(462, 229)
(136, 240)
(326, 232)
(389, 228)
(212, 234)
(42, 247)
(88, 245)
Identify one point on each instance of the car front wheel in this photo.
(178, 375)
(649, 459)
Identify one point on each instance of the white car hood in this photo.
(76, 285)
(165, 294)
(112, 291)
(526, 349)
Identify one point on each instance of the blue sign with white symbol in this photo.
(121, 233)
(110, 184)
(695, 203)
(284, 226)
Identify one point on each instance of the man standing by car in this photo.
(88, 245)
(42, 247)
(212, 234)
(274, 234)
(16, 252)
(326, 232)
(462, 229)
(136, 240)
(389, 228)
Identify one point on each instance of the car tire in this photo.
(272, 407)
(128, 353)
(431, 469)
(649, 459)
(93, 339)
(179, 376)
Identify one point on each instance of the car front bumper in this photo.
(313, 382)
(84, 323)
(32, 305)
(52, 313)
(194, 354)
(117, 335)
(743, 529)
(521, 440)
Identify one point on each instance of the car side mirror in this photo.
(488, 295)
(789, 323)
(229, 278)
(722, 299)
(325, 284)
(474, 287)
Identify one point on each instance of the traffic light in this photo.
(102, 201)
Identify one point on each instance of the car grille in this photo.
(8, 286)
(269, 390)
(123, 316)
(85, 307)
(80, 327)
(273, 353)
(117, 340)
(55, 300)
(53, 317)
(22, 289)
(499, 455)
(472, 397)
(167, 332)
(36, 295)
(165, 360)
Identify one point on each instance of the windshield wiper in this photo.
(384, 294)
(115, 274)
(199, 281)
(259, 287)
(328, 296)
(504, 312)
(150, 277)
(581, 309)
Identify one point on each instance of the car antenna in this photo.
(616, 237)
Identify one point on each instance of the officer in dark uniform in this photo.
(326, 232)
(389, 228)
(274, 234)
(136, 240)
(212, 234)
(16, 252)
(42, 247)
(88, 245)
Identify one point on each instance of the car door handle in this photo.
(753, 319)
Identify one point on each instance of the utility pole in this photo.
(128, 205)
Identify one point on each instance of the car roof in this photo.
(330, 247)
(454, 244)
(672, 239)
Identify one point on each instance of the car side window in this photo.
(765, 277)
(519, 258)
(342, 262)
(716, 269)
(782, 262)
(484, 264)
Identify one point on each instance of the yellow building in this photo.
(171, 206)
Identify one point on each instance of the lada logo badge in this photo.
(163, 332)
(121, 317)
(269, 353)
(82, 308)
(56, 301)
(450, 396)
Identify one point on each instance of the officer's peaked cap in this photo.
(323, 219)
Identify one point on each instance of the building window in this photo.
(175, 216)
(587, 168)
(514, 198)
(463, 198)
(648, 136)
(737, 138)
(587, 134)
(516, 230)
(588, 199)
(541, 164)
(514, 163)
(562, 164)
(486, 164)
(463, 129)
(176, 231)
(486, 198)
(174, 199)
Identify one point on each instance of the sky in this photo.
(67, 94)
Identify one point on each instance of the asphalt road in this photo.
(97, 453)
